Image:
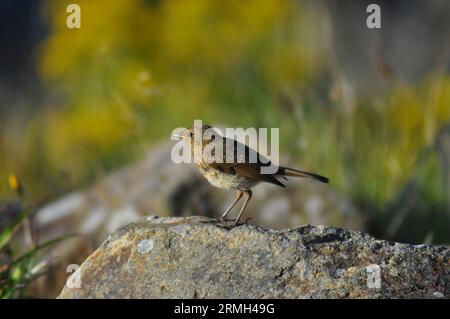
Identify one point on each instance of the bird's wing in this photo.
(246, 162)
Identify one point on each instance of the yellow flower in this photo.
(14, 184)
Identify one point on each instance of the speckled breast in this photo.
(220, 179)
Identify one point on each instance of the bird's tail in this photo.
(286, 171)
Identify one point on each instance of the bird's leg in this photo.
(249, 196)
(239, 194)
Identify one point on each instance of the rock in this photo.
(199, 257)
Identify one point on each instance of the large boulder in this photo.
(199, 257)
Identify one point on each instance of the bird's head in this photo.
(206, 132)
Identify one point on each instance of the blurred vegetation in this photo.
(137, 69)
(20, 267)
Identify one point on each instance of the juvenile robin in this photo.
(237, 170)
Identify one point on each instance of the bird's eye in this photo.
(190, 134)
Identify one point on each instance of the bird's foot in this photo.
(238, 223)
(224, 220)
(230, 223)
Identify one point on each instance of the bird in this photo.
(236, 171)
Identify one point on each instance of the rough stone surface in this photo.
(198, 257)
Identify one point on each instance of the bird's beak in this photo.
(178, 137)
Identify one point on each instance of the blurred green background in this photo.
(368, 108)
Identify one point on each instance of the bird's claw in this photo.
(238, 223)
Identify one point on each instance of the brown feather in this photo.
(286, 171)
